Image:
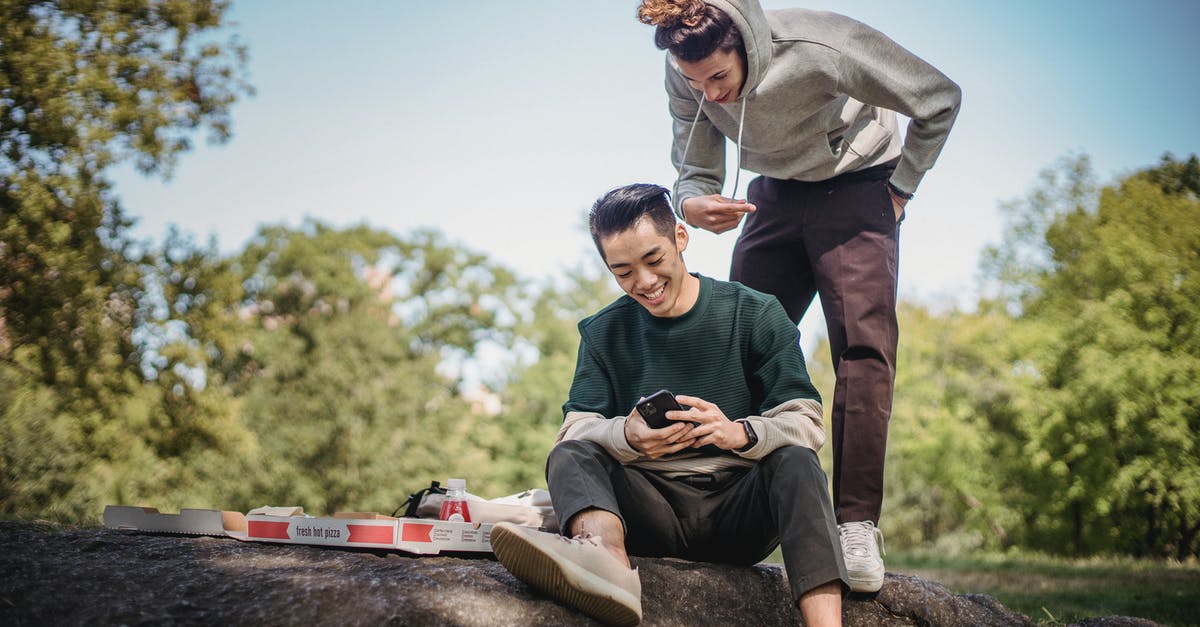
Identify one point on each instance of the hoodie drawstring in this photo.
(683, 157)
(688, 144)
(737, 173)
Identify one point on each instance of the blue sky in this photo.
(499, 123)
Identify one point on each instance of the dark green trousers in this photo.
(731, 517)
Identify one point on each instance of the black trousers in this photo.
(732, 517)
(837, 238)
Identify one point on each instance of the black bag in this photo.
(414, 499)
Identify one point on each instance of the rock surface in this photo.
(52, 575)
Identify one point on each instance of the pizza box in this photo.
(368, 530)
(204, 522)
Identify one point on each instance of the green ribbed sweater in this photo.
(736, 347)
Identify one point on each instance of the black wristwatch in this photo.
(750, 435)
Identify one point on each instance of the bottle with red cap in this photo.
(454, 508)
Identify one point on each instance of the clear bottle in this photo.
(454, 507)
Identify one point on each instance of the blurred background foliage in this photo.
(344, 368)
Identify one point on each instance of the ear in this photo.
(681, 237)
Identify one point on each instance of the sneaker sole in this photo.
(563, 580)
(866, 584)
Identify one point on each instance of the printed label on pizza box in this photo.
(323, 531)
(419, 535)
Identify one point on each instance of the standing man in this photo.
(809, 99)
(726, 480)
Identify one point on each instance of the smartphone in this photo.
(654, 409)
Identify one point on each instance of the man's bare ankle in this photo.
(620, 554)
(605, 528)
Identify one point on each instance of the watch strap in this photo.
(751, 436)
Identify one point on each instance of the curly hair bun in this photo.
(671, 13)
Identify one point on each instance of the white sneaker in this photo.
(862, 543)
(576, 571)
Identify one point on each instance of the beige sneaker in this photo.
(576, 571)
(862, 543)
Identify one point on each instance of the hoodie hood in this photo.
(751, 22)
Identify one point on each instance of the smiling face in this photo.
(649, 267)
(720, 75)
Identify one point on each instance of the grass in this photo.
(1058, 591)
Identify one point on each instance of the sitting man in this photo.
(733, 476)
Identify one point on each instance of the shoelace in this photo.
(856, 538)
(582, 539)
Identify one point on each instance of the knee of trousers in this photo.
(575, 453)
(800, 462)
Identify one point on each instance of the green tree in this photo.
(343, 370)
(83, 87)
(1173, 177)
(955, 382)
(1111, 440)
(521, 436)
(1012, 269)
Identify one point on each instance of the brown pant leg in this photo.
(770, 254)
(845, 230)
(854, 245)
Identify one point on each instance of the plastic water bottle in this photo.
(454, 508)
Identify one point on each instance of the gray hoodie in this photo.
(819, 100)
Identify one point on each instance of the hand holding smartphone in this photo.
(654, 409)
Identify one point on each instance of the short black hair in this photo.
(621, 208)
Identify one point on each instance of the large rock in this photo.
(51, 575)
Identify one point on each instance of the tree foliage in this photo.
(1077, 382)
(957, 382)
(534, 394)
(334, 367)
(1120, 368)
(1011, 269)
(350, 329)
(84, 86)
